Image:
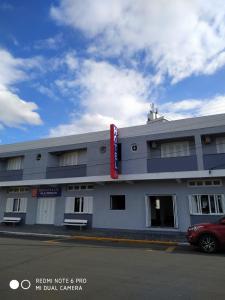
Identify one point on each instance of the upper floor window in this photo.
(68, 159)
(15, 163)
(175, 149)
(220, 144)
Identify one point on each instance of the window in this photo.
(68, 159)
(175, 149)
(207, 204)
(16, 205)
(73, 187)
(15, 163)
(79, 204)
(117, 202)
(18, 190)
(38, 157)
(220, 144)
(209, 182)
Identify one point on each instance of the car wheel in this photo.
(208, 243)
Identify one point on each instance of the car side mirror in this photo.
(222, 222)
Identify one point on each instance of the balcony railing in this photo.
(214, 161)
(11, 175)
(67, 171)
(172, 164)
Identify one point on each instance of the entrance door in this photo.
(46, 211)
(162, 211)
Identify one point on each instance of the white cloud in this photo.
(193, 107)
(181, 38)
(109, 94)
(15, 111)
(49, 43)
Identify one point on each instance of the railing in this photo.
(67, 171)
(172, 164)
(11, 175)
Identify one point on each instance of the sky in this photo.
(75, 66)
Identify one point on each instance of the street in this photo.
(67, 269)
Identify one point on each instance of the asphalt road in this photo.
(108, 271)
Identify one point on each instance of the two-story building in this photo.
(171, 175)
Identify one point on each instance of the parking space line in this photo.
(53, 241)
(170, 249)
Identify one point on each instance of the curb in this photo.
(34, 234)
(123, 240)
(95, 238)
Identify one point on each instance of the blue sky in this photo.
(72, 66)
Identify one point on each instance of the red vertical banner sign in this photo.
(114, 169)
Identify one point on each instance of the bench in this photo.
(12, 220)
(75, 222)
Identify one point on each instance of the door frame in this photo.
(148, 210)
(53, 213)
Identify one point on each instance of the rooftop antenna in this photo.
(153, 113)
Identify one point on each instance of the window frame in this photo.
(15, 190)
(17, 206)
(111, 202)
(220, 144)
(77, 187)
(166, 152)
(65, 158)
(199, 204)
(204, 183)
(81, 205)
(14, 163)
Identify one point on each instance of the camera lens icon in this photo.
(25, 284)
(14, 284)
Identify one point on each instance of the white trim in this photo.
(175, 214)
(147, 212)
(204, 183)
(130, 177)
(162, 127)
(43, 205)
(199, 206)
(220, 144)
(87, 205)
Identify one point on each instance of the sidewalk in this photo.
(132, 236)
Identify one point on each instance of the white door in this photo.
(46, 211)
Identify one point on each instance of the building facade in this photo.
(171, 175)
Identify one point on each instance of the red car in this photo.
(209, 237)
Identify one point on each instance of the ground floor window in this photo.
(79, 204)
(207, 204)
(117, 202)
(16, 204)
